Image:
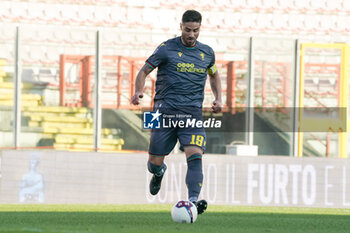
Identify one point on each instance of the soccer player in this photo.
(183, 66)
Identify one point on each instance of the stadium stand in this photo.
(51, 13)
(55, 127)
(144, 15)
(6, 52)
(135, 28)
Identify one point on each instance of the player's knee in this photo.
(157, 160)
(194, 162)
(156, 169)
(194, 157)
(192, 150)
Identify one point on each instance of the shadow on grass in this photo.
(100, 222)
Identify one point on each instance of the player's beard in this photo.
(190, 41)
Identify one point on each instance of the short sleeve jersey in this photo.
(182, 72)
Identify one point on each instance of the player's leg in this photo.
(194, 175)
(193, 143)
(161, 144)
(157, 167)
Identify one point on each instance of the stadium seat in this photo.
(287, 45)
(101, 15)
(345, 6)
(263, 22)
(64, 127)
(52, 13)
(69, 14)
(261, 45)
(220, 45)
(224, 42)
(144, 40)
(246, 22)
(209, 5)
(333, 6)
(311, 23)
(29, 35)
(327, 24)
(52, 54)
(118, 15)
(301, 6)
(109, 38)
(49, 76)
(233, 5)
(119, 2)
(62, 36)
(46, 35)
(28, 75)
(286, 6)
(126, 39)
(7, 33)
(239, 27)
(193, 4)
(343, 24)
(210, 41)
(134, 16)
(85, 15)
(216, 19)
(231, 20)
(239, 44)
(149, 16)
(270, 5)
(89, 37)
(253, 6)
(5, 11)
(7, 52)
(36, 12)
(159, 38)
(167, 20)
(317, 6)
(35, 55)
(136, 3)
(19, 12)
(26, 100)
(168, 4)
(295, 23)
(153, 3)
(77, 37)
(279, 22)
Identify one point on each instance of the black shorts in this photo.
(163, 140)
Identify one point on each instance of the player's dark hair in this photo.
(191, 16)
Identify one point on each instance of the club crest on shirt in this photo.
(180, 54)
(202, 55)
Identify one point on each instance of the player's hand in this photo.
(216, 106)
(135, 99)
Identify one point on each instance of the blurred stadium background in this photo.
(277, 56)
(57, 47)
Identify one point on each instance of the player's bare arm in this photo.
(140, 84)
(215, 83)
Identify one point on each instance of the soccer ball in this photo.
(184, 212)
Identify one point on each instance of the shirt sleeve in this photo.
(158, 57)
(212, 67)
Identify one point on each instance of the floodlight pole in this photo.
(97, 97)
(249, 116)
(17, 92)
(295, 134)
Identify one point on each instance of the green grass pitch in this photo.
(156, 218)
